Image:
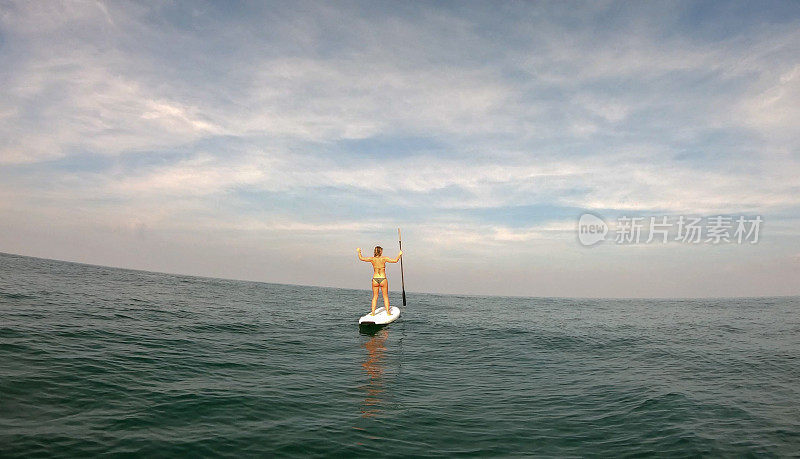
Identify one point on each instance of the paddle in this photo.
(402, 279)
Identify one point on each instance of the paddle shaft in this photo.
(402, 278)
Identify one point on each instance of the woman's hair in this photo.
(378, 250)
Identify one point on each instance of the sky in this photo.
(267, 141)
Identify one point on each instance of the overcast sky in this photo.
(267, 141)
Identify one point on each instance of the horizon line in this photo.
(407, 291)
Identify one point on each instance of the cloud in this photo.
(773, 109)
(611, 182)
(295, 120)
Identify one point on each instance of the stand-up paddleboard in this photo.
(380, 317)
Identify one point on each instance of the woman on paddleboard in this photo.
(379, 280)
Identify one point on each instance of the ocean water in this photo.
(95, 360)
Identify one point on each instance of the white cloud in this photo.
(775, 109)
(632, 116)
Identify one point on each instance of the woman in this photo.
(379, 280)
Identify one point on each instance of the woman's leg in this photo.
(375, 289)
(385, 290)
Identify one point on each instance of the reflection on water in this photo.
(374, 366)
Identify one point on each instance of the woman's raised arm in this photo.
(359, 255)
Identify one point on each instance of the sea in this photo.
(103, 361)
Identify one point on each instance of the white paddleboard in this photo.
(380, 317)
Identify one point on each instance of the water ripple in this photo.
(106, 361)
